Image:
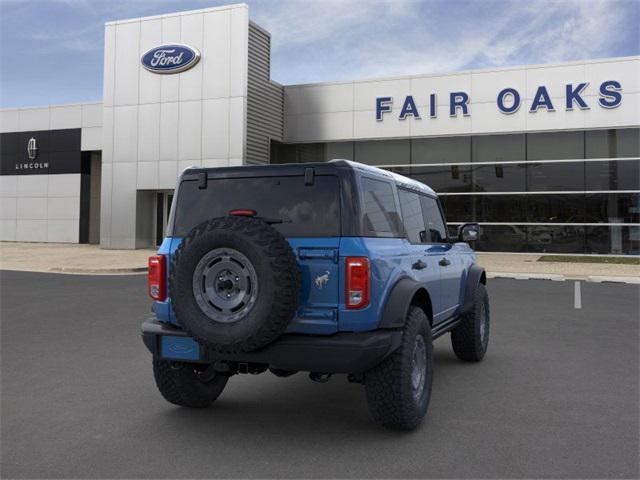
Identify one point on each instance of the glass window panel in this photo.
(556, 239)
(283, 153)
(458, 208)
(613, 175)
(435, 227)
(555, 208)
(560, 208)
(613, 143)
(412, 215)
(502, 238)
(306, 210)
(613, 240)
(613, 207)
(555, 145)
(546, 177)
(339, 150)
(499, 178)
(380, 214)
(501, 208)
(310, 152)
(445, 178)
(383, 152)
(441, 150)
(499, 148)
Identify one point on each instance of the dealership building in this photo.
(544, 157)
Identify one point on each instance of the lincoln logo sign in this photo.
(32, 154)
(32, 149)
(172, 58)
(508, 101)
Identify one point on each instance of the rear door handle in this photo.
(419, 265)
(444, 262)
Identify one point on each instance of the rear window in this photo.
(306, 210)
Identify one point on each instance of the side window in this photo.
(436, 231)
(411, 208)
(380, 215)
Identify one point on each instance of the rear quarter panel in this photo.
(390, 260)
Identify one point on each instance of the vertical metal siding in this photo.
(265, 100)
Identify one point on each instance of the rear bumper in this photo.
(344, 352)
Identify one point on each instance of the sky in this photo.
(51, 51)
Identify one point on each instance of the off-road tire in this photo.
(388, 386)
(466, 339)
(278, 284)
(179, 384)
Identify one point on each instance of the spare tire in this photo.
(234, 284)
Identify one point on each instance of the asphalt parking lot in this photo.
(557, 396)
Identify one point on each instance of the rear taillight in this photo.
(357, 281)
(156, 277)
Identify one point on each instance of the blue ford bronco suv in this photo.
(327, 268)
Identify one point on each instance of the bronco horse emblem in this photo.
(322, 280)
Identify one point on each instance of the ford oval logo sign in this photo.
(173, 58)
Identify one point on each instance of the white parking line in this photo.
(577, 296)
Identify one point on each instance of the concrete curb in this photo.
(562, 278)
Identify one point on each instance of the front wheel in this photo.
(184, 384)
(399, 389)
(470, 339)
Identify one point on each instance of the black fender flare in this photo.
(475, 276)
(398, 302)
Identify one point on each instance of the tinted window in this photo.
(500, 208)
(556, 239)
(383, 152)
(444, 178)
(555, 145)
(613, 208)
(502, 238)
(612, 143)
(542, 177)
(412, 215)
(342, 150)
(306, 210)
(380, 214)
(441, 150)
(499, 178)
(555, 208)
(616, 240)
(499, 148)
(436, 230)
(613, 175)
(458, 208)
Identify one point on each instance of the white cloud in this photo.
(327, 40)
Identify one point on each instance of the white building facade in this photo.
(545, 157)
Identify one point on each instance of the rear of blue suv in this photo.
(319, 267)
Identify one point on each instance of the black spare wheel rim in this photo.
(225, 285)
(234, 284)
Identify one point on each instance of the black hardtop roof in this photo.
(271, 169)
(293, 169)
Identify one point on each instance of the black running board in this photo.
(444, 327)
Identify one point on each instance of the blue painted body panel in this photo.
(322, 309)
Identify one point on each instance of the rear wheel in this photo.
(399, 389)
(470, 339)
(185, 384)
